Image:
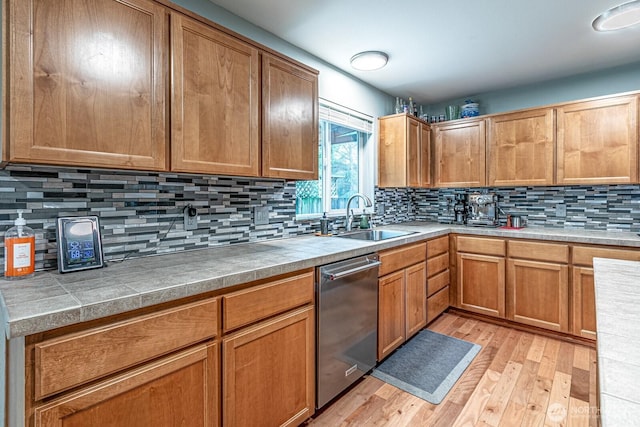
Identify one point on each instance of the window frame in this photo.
(366, 151)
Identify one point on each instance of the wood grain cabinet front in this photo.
(215, 101)
(438, 277)
(480, 264)
(269, 372)
(459, 154)
(598, 141)
(177, 390)
(404, 157)
(289, 120)
(520, 148)
(402, 296)
(87, 83)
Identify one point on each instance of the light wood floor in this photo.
(517, 379)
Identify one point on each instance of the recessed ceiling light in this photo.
(369, 61)
(618, 17)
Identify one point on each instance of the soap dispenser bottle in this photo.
(19, 250)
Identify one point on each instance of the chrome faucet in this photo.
(349, 218)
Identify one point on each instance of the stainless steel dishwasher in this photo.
(347, 324)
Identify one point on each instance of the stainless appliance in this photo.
(482, 209)
(347, 324)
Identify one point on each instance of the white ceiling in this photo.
(441, 50)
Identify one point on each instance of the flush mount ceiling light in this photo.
(369, 61)
(618, 17)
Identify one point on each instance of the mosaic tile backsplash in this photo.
(141, 213)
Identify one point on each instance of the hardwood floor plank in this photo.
(549, 359)
(522, 349)
(565, 363)
(581, 357)
(578, 415)
(465, 329)
(558, 407)
(537, 348)
(476, 403)
(497, 403)
(538, 401)
(594, 413)
(342, 408)
(364, 413)
(399, 410)
(580, 384)
(505, 351)
(517, 405)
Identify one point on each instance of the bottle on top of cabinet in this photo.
(19, 250)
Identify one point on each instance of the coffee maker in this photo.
(482, 209)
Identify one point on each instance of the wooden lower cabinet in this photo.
(268, 372)
(437, 303)
(181, 389)
(481, 283)
(391, 317)
(416, 298)
(584, 302)
(538, 294)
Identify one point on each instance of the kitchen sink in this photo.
(374, 235)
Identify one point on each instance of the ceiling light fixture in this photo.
(369, 60)
(618, 17)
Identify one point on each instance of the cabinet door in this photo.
(215, 101)
(597, 141)
(481, 284)
(584, 303)
(416, 298)
(87, 83)
(460, 154)
(269, 372)
(180, 389)
(392, 151)
(391, 313)
(425, 156)
(414, 170)
(521, 148)
(538, 294)
(289, 120)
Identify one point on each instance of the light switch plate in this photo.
(261, 215)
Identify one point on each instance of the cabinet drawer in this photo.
(437, 264)
(437, 246)
(583, 255)
(437, 282)
(481, 245)
(70, 360)
(259, 302)
(539, 251)
(437, 303)
(396, 259)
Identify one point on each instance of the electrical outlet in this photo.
(261, 215)
(190, 221)
(380, 208)
(561, 210)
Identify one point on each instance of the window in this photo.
(345, 158)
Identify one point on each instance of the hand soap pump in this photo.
(19, 250)
(324, 224)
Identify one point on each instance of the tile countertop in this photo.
(617, 285)
(50, 300)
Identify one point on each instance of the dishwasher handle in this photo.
(341, 274)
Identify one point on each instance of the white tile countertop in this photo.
(50, 300)
(617, 286)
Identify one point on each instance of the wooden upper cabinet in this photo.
(87, 83)
(404, 152)
(597, 141)
(459, 157)
(289, 120)
(215, 101)
(520, 148)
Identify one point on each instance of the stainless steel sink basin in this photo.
(374, 235)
